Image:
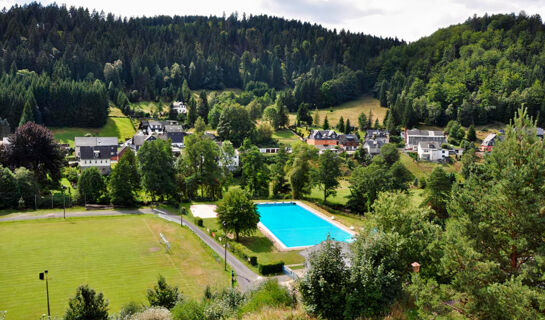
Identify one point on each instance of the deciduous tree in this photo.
(237, 213)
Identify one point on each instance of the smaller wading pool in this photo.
(294, 226)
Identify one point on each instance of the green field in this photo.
(119, 256)
(422, 169)
(350, 110)
(286, 137)
(115, 127)
(339, 198)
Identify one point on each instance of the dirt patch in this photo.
(154, 249)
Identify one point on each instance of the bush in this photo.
(268, 294)
(200, 222)
(271, 268)
(253, 260)
(153, 313)
(189, 310)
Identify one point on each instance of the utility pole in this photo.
(225, 260)
(42, 276)
(232, 279)
(63, 204)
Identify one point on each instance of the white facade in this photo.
(103, 165)
(414, 137)
(179, 107)
(431, 151)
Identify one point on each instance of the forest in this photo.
(62, 62)
(149, 58)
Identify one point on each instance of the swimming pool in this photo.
(294, 226)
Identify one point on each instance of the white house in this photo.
(415, 136)
(431, 151)
(98, 156)
(373, 146)
(179, 107)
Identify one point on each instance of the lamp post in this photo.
(43, 275)
(63, 203)
(225, 244)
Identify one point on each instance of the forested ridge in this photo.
(61, 62)
(149, 58)
(475, 72)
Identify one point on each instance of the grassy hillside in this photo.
(119, 256)
(351, 110)
(115, 127)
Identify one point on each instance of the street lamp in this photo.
(43, 275)
(63, 202)
(225, 244)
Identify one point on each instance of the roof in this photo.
(323, 134)
(373, 133)
(489, 140)
(139, 139)
(540, 132)
(101, 152)
(173, 128)
(176, 137)
(429, 133)
(348, 138)
(95, 141)
(377, 143)
(429, 145)
(155, 123)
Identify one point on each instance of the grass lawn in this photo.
(351, 110)
(422, 169)
(150, 106)
(119, 256)
(286, 137)
(339, 198)
(115, 127)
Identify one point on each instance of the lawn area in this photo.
(150, 106)
(351, 110)
(340, 198)
(260, 246)
(119, 256)
(422, 169)
(286, 137)
(115, 127)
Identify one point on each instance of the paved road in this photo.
(246, 278)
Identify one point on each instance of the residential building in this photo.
(488, 142)
(349, 142)
(110, 142)
(431, 151)
(179, 107)
(176, 134)
(415, 136)
(323, 138)
(138, 140)
(96, 156)
(373, 146)
(373, 134)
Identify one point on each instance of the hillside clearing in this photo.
(350, 110)
(122, 128)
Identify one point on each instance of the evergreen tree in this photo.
(186, 92)
(347, 127)
(87, 304)
(325, 126)
(362, 121)
(316, 118)
(28, 114)
(202, 110)
(91, 186)
(123, 181)
(438, 188)
(471, 135)
(191, 112)
(340, 124)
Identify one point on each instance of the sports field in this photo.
(119, 256)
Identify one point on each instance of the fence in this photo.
(14, 200)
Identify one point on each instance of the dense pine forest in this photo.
(61, 66)
(476, 72)
(149, 58)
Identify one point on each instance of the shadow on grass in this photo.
(257, 244)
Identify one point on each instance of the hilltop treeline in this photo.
(149, 58)
(476, 72)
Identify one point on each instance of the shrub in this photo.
(189, 310)
(271, 268)
(271, 294)
(153, 313)
(253, 260)
(200, 222)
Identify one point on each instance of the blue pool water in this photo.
(295, 226)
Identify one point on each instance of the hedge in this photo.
(272, 268)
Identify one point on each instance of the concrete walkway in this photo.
(246, 278)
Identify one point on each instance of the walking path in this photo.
(246, 278)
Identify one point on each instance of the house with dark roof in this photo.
(323, 138)
(349, 142)
(97, 156)
(176, 135)
(373, 134)
(110, 142)
(373, 146)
